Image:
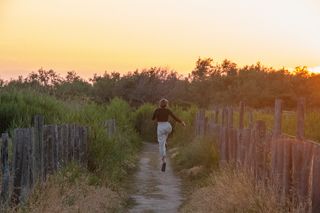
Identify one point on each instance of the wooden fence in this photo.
(38, 152)
(293, 163)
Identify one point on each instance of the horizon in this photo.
(124, 36)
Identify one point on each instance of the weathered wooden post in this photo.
(27, 164)
(241, 115)
(250, 117)
(315, 198)
(83, 145)
(17, 165)
(302, 153)
(55, 146)
(300, 118)
(60, 146)
(77, 141)
(223, 117)
(230, 117)
(65, 143)
(5, 169)
(230, 136)
(287, 178)
(260, 155)
(216, 116)
(196, 125)
(37, 147)
(71, 142)
(277, 118)
(22, 178)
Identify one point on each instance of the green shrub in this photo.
(143, 123)
(17, 108)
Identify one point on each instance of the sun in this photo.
(315, 70)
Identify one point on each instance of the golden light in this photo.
(315, 69)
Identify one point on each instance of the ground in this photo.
(155, 191)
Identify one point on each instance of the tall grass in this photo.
(18, 107)
(192, 151)
(234, 191)
(143, 123)
(289, 122)
(109, 157)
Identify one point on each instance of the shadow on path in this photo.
(155, 191)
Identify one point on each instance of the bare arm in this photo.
(175, 117)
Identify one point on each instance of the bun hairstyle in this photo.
(163, 103)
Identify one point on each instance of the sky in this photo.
(123, 35)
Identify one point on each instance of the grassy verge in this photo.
(211, 189)
(72, 189)
(232, 191)
(312, 119)
(111, 158)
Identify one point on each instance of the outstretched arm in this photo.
(177, 119)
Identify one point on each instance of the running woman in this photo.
(161, 115)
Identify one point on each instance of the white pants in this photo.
(163, 130)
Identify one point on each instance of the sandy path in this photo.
(155, 191)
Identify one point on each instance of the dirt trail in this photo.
(155, 191)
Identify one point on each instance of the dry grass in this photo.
(73, 191)
(79, 197)
(233, 191)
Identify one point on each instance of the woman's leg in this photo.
(162, 142)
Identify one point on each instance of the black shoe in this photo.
(163, 168)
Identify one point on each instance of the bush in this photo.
(17, 108)
(143, 123)
(112, 157)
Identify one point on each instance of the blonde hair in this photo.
(163, 103)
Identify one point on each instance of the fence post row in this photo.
(274, 158)
(38, 152)
(300, 118)
(5, 169)
(277, 118)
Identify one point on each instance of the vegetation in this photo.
(209, 83)
(231, 190)
(129, 99)
(72, 189)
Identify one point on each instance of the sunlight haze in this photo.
(96, 36)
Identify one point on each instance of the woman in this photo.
(161, 115)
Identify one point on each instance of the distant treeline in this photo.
(209, 83)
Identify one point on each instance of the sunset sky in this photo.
(122, 35)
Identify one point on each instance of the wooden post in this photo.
(71, 142)
(17, 165)
(44, 154)
(55, 146)
(85, 145)
(223, 117)
(241, 115)
(65, 143)
(287, 178)
(77, 144)
(277, 118)
(316, 180)
(301, 169)
(5, 169)
(261, 158)
(300, 118)
(60, 146)
(230, 118)
(217, 116)
(37, 147)
(27, 164)
(250, 115)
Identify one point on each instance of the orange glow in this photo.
(315, 70)
(94, 36)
